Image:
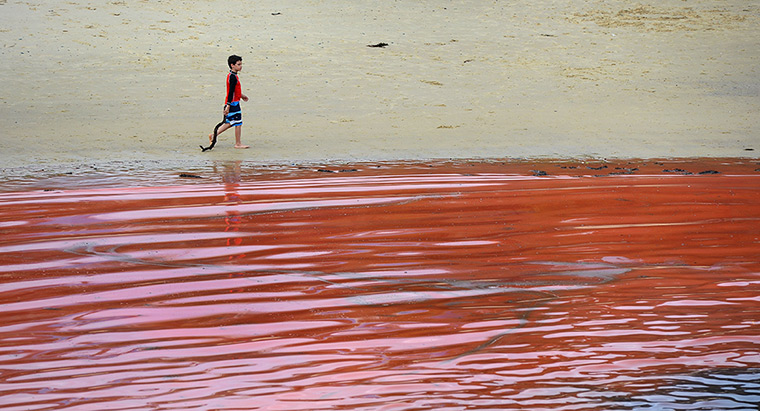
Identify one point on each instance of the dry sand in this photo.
(113, 80)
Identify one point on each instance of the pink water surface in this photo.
(446, 287)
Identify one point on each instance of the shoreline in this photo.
(170, 173)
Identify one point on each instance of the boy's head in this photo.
(233, 59)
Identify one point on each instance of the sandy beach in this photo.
(510, 205)
(88, 81)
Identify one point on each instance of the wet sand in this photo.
(87, 81)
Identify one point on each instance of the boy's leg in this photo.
(238, 133)
(222, 129)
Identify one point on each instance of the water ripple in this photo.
(384, 291)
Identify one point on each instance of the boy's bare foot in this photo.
(242, 146)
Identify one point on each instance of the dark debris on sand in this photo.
(677, 170)
(345, 170)
(617, 168)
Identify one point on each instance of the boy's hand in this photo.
(244, 97)
(226, 110)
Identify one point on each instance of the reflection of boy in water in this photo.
(233, 117)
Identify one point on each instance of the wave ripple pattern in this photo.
(384, 292)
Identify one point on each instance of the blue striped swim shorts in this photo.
(235, 116)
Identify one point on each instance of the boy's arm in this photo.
(231, 89)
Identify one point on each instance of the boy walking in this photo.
(233, 117)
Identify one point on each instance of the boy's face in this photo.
(237, 66)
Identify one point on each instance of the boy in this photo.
(233, 117)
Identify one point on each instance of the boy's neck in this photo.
(233, 71)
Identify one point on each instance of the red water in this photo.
(441, 287)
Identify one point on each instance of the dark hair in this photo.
(233, 59)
